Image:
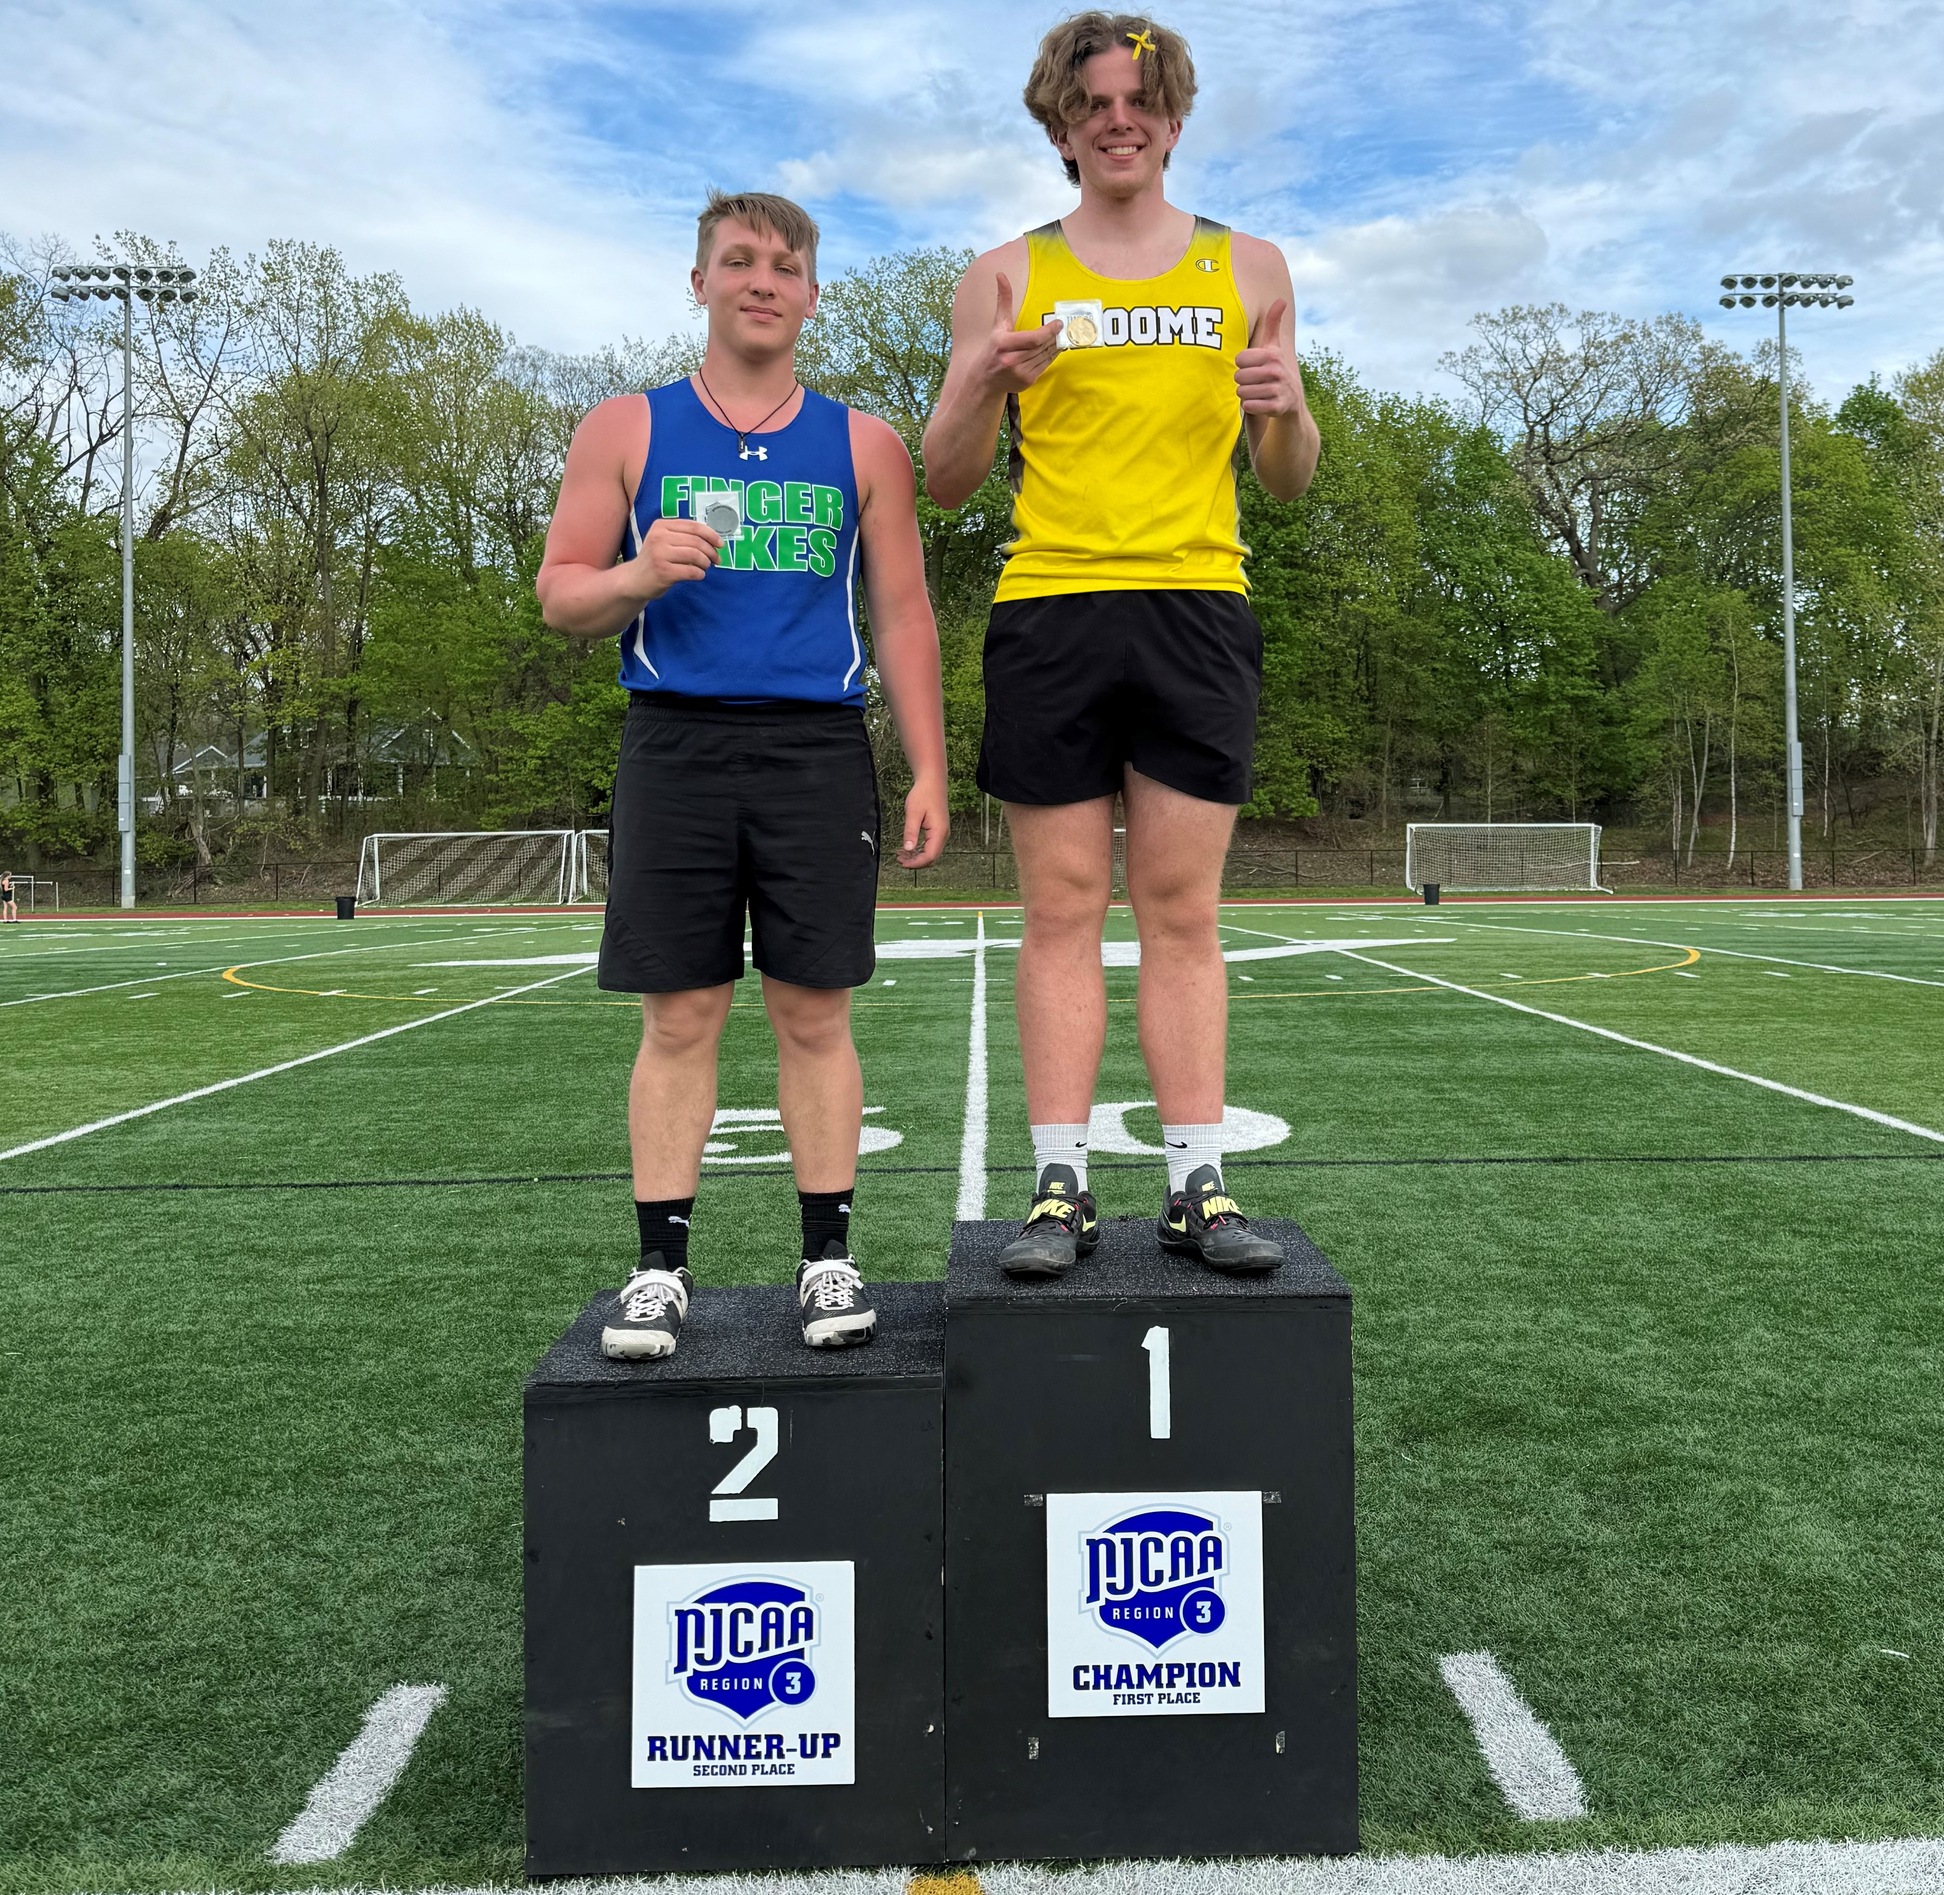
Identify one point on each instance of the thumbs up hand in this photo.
(1016, 358)
(1266, 377)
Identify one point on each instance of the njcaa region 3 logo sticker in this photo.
(1153, 1604)
(744, 1676)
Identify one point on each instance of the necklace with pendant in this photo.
(744, 451)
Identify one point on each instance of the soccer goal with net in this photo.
(457, 868)
(462, 868)
(1501, 857)
(590, 865)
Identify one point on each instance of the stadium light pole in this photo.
(128, 284)
(1782, 291)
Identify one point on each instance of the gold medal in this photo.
(1083, 324)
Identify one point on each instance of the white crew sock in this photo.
(1060, 1145)
(1189, 1147)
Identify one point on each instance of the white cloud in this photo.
(362, 125)
(927, 126)
(1395, 277)
(1419, 159)
(918, 176)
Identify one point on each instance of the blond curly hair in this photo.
(1057, 95)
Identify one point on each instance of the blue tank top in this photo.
(777, 618)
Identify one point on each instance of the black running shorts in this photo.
(727, 809)
(1081, 685)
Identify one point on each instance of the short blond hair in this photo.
(1057, 95)
(761, 211)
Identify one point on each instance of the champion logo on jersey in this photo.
(1155, 1575)
(1207, 263)
(742, 1645)
(1154, 325)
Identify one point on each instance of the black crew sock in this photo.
(665, 1227)
(826, 1219)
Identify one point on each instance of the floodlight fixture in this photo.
(127, 283)
(1784, 291)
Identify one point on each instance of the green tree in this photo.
(1417, 627)
(59, 689)
(184, 604)
(312, 434)
(881, 341)
(1585, 403)
(1919, 461)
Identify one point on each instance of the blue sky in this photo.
(1418, 161)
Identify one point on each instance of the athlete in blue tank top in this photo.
(777, 618)
(721, 526)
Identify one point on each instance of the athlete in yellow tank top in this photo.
(1121, 658)
(1123, 452)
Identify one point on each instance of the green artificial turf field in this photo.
(1648, 1358)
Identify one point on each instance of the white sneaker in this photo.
(836, 1307)
(646, 1322)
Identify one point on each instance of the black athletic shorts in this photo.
(1081, 685)
(722, 809)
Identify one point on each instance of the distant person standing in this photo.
(9, 905)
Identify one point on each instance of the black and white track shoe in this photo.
(836, 1306)
(646, 1320)
(1062, 1227)
(1204, 1221)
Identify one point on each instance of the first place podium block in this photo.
(734, 1638)
(1150, 1561)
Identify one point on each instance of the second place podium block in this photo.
(733, 1600)
(1150, 1559)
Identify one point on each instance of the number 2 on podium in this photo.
(1160, 1396)
(724, 1425)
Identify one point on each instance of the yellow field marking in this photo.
(1561, 980)
(234, 976)
(943, 1882)
(1364, 993)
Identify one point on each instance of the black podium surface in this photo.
(1150, 1559)
(734, 1638)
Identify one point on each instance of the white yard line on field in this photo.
(1648, 1046)
(275, 960)
(1524, 1757)
(66, 953)
(1626, 1039)
(283, 1066)
(1739, 954)
(302, 928)
(748, 1882)
(108, 987)
(972, 1145)
(1903, 1867)
(343, 1800)
(1782, 1868)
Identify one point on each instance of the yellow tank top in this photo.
(1123, 467)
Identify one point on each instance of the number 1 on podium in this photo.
(1160, 1398)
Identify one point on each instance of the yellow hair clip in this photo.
(1140, 42)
